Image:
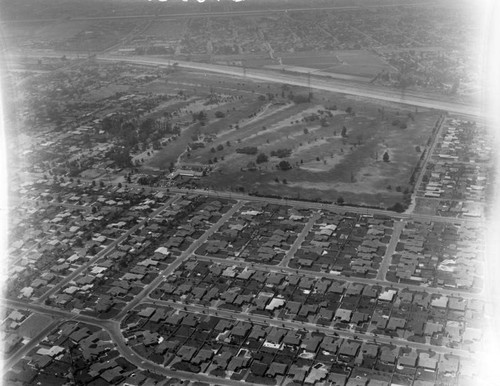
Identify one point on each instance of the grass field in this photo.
(353, 62)
(33, 325)
(197, 88)
(327, 166)
(324, 164)
(171, 29)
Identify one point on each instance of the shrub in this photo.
(284, 165)
(261, 158)
(251, 150)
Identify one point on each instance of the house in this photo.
(349, 349)
(276, 369)
(432, 328)
(440, 302)
(312, 343)
(16, 316)
(298, 373)
(258, 368)
(337, 379)
(317, 373)
(275, 303)
(331, 344)
(112, 376)
(79, 334)
(104, 304)
(387, 295)
(203, 356)
(457, 304)
(427, 361)
(387, 355)
(369, 350)
(379, 320)
(343, 315)
(357, 381)
(149, 338)
(408, 360)
(221, 360)
(186, 352)
(26, 292)
(41, 361)
(395, 323)
(376, 382)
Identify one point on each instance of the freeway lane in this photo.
(174, 15)
(327, 84)
(412, 98)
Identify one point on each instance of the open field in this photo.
(326, 165)
(354, 62)
(323, 163)
(76, 35)
(33, 325)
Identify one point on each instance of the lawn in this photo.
(353, 62)
(33, 325)
(325, 165)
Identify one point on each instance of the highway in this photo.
(175, 14)
(429, 101)
(113, 326)
(412, 98)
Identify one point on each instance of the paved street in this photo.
(321, 83)
(300, 238)
(104, 252)
(318, 275)
(183, 257)
(310, 327)
(384, 266)
(327, 84)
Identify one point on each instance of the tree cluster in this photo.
(281, 153)
(250, 150)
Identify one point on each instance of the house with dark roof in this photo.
(276, 369)
(349, 348)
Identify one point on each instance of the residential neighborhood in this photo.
(227, 193)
